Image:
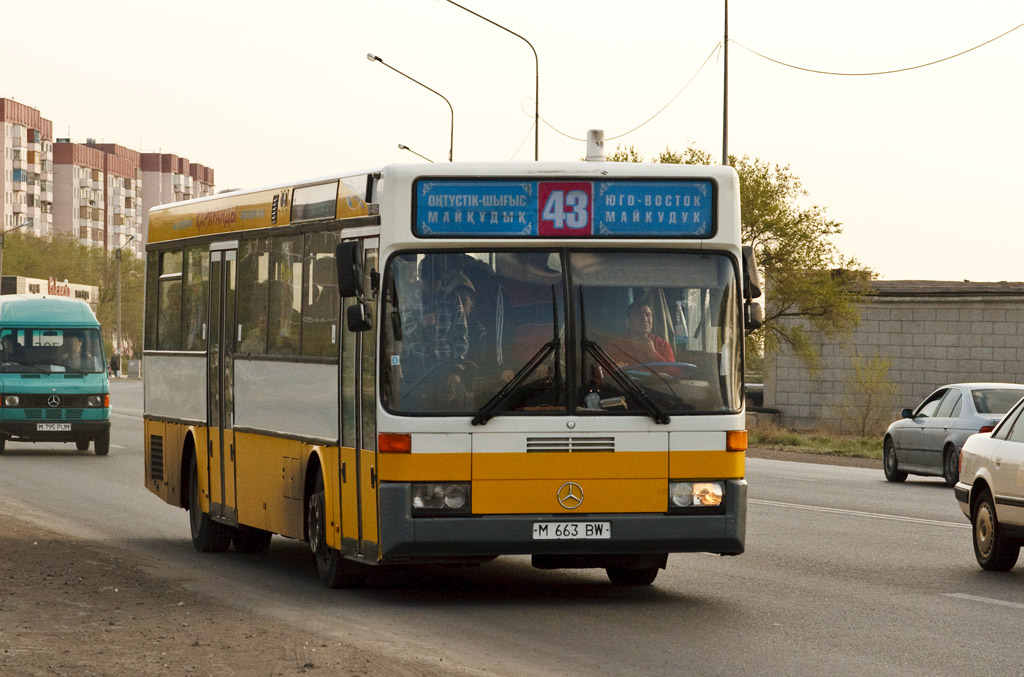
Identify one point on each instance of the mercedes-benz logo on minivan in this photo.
(53, 401)
(570, 495)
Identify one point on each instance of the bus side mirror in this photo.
(754, 316)
(751, 278)
(349, 258)
(358, 318)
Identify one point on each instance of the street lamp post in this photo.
(20, 225)
(536, 90)
(451, 145)
(119, 349)
(402, 146)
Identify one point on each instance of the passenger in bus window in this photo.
(10, 348)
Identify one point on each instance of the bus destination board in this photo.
(528, 208)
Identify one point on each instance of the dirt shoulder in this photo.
(71, 608)
(68, 607)
(811, 457)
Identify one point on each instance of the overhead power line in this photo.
(888, 72)
(660, 110)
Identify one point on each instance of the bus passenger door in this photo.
(220, 348)
(358, 403)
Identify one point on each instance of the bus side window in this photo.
(254, 280)
(285, 295)
(195, 297)
(320, 296)
(168, 329)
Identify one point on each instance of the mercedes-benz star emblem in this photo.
(53, 401)
(570, 495)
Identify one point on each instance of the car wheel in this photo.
(993, 551)
(3, 444)
(207, 535)
(81, 445)
(334, 569)
(951, 466)
(102, 444)
(889, 463)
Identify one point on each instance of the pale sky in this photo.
(922, 168)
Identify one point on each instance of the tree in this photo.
(806, 276)
(64, 258)
(869, 396)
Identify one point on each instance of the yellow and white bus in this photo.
(448, 363)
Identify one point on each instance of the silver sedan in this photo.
(928, 439)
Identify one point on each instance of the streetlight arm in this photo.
(451, 145)
(536, 61)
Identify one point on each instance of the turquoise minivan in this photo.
(53, 377)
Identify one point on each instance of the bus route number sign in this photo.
(566, 208)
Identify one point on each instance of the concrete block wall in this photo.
(933, 333)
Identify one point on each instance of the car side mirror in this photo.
(907, 413)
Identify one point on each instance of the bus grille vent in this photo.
(569, 444)
(156, 458)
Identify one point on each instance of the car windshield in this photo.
(51, 350)
(485, 333)
(995, 400)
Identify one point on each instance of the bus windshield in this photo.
(51, 350)
(650, 333)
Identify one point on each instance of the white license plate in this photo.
(571, 530)
(53, 427)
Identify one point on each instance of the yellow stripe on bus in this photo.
(425, 467)
(706, 464)
(633, 464)
(494, 497)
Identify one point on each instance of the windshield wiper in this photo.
(597, 352)
(487, 412)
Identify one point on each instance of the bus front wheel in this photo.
(334, 570)
(207, 535)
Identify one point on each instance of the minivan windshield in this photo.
(486, 333)
(51, 350)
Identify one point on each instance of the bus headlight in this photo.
(695, 494)
(11, 400)
(440, 498)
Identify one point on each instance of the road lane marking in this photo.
(131, 416)
(859, 513)
(986, 600)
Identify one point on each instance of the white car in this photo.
(991, 491)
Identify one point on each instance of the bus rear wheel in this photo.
(334, 570)
(624, 576)
(207, 535)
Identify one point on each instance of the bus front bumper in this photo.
(404, 537)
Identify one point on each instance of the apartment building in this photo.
(79, 205)
(169, 178)
(26, 169)
(99, 193)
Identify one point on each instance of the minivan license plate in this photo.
(571, 530)
(53, 427)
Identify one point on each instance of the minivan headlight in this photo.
(94, 401)
(11, 400)
(440, 498)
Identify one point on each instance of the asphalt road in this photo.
(844, 574)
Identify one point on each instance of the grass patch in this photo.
(817, 443)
